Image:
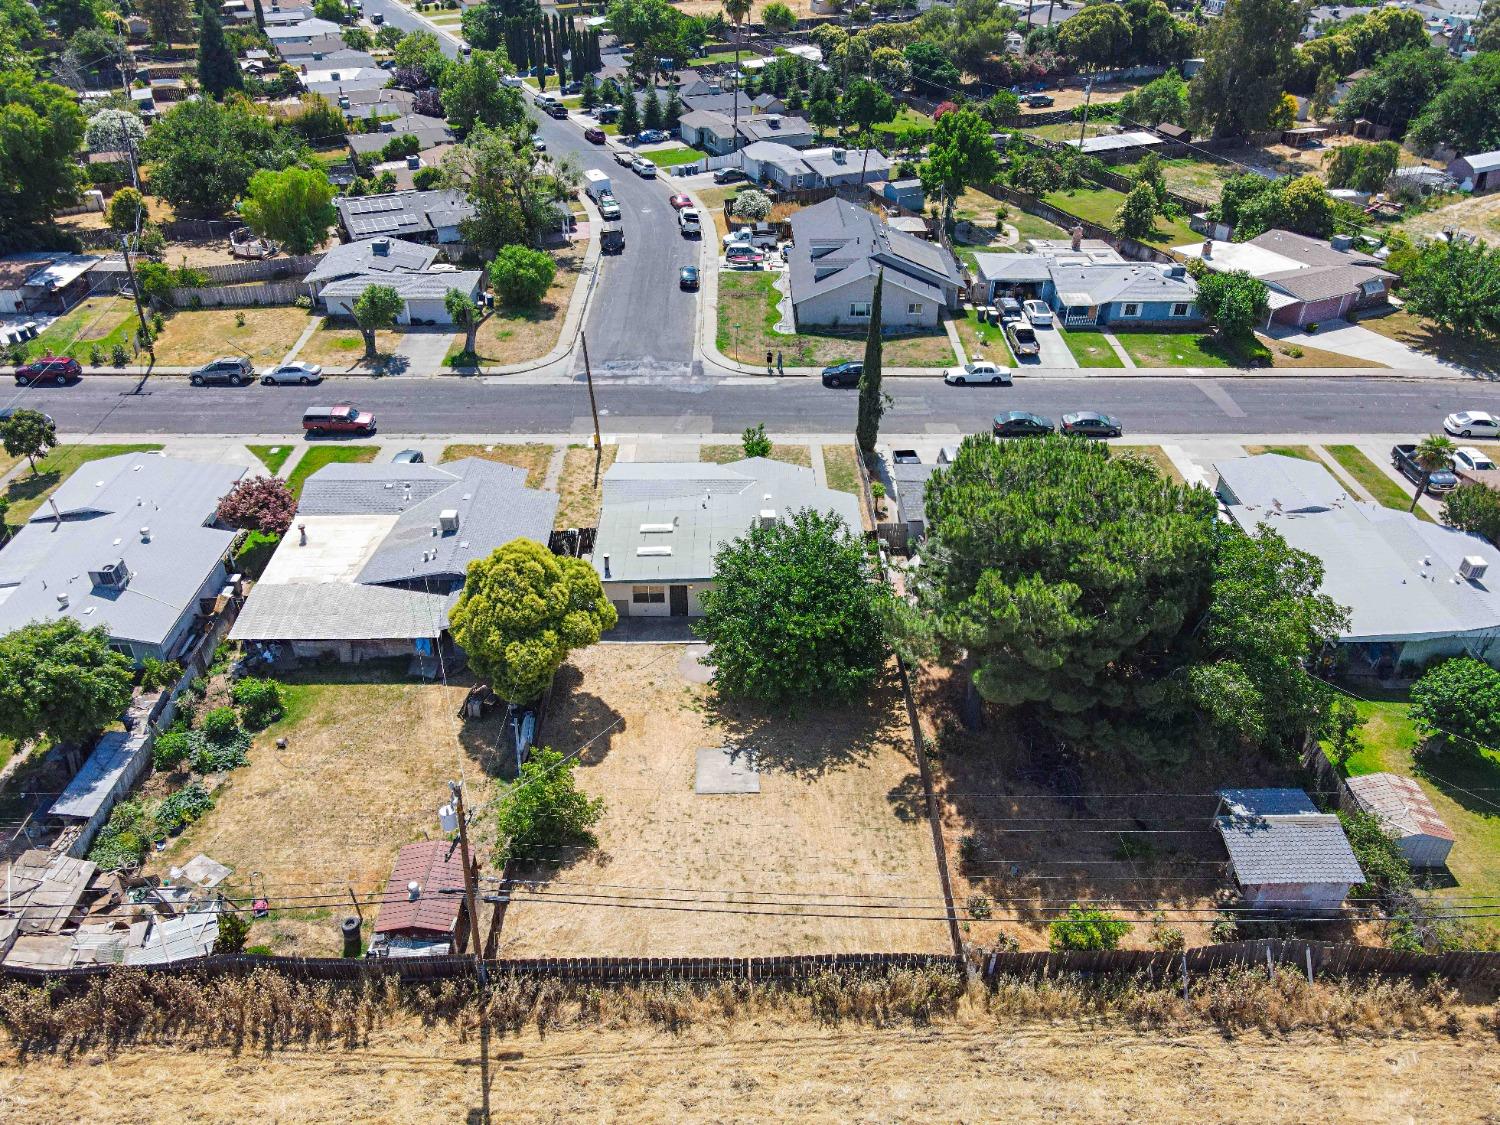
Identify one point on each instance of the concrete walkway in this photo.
(307, 334)
(1117, 348)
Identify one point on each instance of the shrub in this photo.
(979, 906)
(1459, 701)
(1168, 939)
(220, 724)
(1087, 928)
(171, 748)
(158, 674)
(122, 842)
(118, 356)
(234, 928)
(968, 851)
(96, 356)
(198, 688)
(521, 276)
(183, 807)
(424, 178)
(260, 702)
(755, 442)
(216, 755)
(1380, 857)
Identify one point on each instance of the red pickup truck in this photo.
(341, 418)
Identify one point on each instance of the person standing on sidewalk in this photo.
(779, 369)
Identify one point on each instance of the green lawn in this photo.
(271, 456)
(981, 338)
(1197, 179)
(1463, 786)
(906, 121)
(1368, 476)
(99, 322)
(1099, 204)
(320, 455)
(672, 157)
(1089, 348)
(27, 490)
(1172, 349)
(840, 463)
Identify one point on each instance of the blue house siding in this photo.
(1149, 312)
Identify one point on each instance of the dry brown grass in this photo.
(1477, 215)
(838, 815)
(367, 762)
(514, 336)
(532, 456)
(580, 501)
(841, 467)
(724, 454)
(196, 337)
(1310, 356)
(341, 348)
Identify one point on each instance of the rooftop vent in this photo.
(838, 156)
(145, 534)
(1341, 241)
(448, 519)
(62, 601)
(655, 528)
(381, 247)
(1473, 567)
(413, 890)
(652, 552)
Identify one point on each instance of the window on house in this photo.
(860, 309)
(1180, 309)
(914, 310)
(648, 595)
(1131, 309)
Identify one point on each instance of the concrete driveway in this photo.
(424, 349)
(1349, 339)
(1055, 351)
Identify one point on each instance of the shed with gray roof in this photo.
(1481, 171)
(1283, 853)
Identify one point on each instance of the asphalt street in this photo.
(1265, 405)
(397, 16)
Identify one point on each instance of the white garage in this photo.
(423, 294)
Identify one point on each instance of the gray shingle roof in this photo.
(836, 243)
(360, 257)
(402, 212)
(1308, 251)
(409, 285)
(1292, 848)
(429, 132)
(1318, 283)
(1105, 284)
(1266, 802)
(340, 611)
(759, 127)
(1013, 268)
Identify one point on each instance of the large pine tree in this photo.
(218, 73)
(871, 397)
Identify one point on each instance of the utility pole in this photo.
(1088, 93)
(135, 291)
(471, 901)
(588, 375)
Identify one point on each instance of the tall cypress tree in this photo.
(871, 398)
(218, 73)
(260, 16)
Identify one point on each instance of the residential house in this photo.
(714, 98)
(374, 259)
(712, 132)
(417, 216)
(1284, 854)
(1480, 170)
(794, 132)
(717, 134)
(428, 131)
(1310, 281)
(662, 525)
(1085, 282)
(127, 543)
(837, 251)
(418, 916)
(1415, 591)
(303, 31)
(377, 556)
(312, 50)
(1405, 811)
(388, 102)
(44, 281)
(1114, 147)
(423, 295)
(792, 169)
(334, 82)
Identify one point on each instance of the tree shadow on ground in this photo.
(578, 721)
(907, 798)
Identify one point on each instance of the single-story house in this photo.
(318, 47)
(417, 216)
(303, 31)
(1131, 145)
(661, 525)
(1414, 590)
(416, 918)
(1404, 809)
(1283, 853)
(713, 98)
(50, 281)
(389, 102)
(367, 258)
(423, 295)
(794, 132)
(336, 81)
(313, 64)
(377, 556)
(1088, 283)
(1481, 170)
(837, 251)
(429, 132)
(1310, 281)
(793, 170)
(712, 132)
(128, 543)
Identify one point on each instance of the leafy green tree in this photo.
(1433, 452)
(1283, 113)
(1487, 27)
(1247, 54)
(521, 276)
(29, 434)
(932, 70)
(376, 308)
(1001, 108)
(544, 809)
(961, 154)
(218, 72)
(1087, 927)
(126, 208)
(356, 38)
(114, 130)
(1456, 285)
(262, 504)
(1097, 37)
(41, 128)
(1475, 508)
(1458, 703)
(778, 17)
(169, 19)
(637, 22)
(971, 32)
(871, 397)
(1341, 732)
(651, 108)
(793, 615)
(1161, 99)
(293, 207)
(1398, 88)
(755, 442)
(1323, 91)
(889, 67)
(514, 200)
(473, 95)
(1136, 217)
(1377, 851)
(590, 91)
(204, 153)
(1462, 113)
(865, 105)
(60, 682)
(1233, 302)
(72, 16)
(1363, 167)
(629, 121)
(467, 315)
(522, 611)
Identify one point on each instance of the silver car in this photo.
(297, 374)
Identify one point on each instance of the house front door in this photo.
(678, 595)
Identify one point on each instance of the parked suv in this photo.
(57, 369)
(233, 370)
(341, 418)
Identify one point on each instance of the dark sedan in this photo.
(1087, 423)
(843, 375)
(1020, 423)
(687, 277)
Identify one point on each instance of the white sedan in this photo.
(980, 371)
(1472, 423)
(298, 373)
(1037, 312)
(1467, 457)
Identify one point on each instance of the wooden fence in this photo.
(221, 296)
(268, 269)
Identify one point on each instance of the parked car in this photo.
(7, 412)
(1037, 312)
(609, 209)
(300, 372)
(59, 369)
(690, 222)
(230, 369)
(1472, 423)
(653, 137)
(1038, 101)
(980, 371)
(1022, 338)
(538, 144)
(680, 201)
(1021, 423)
(572, 88)
(687, 277)
(1405, 459)
(743, 254)
(408, 457)
(843, 374)
(377, 19)
(626, 159)
(557, 110)
(1010, 308)
(1089, 423)
(1467, 457)
(643, 168)
(729, 176)
(594, 135)
(341, 418)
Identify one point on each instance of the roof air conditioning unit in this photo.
(62, 601)
(114, 575)
(1472, 568)
(768, 517)
(448, 519)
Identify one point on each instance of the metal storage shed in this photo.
(1283, 853)
(1403, 808)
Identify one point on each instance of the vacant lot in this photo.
(579, 500)
(264, 335)
(366, 766)
(533, 457)
(1478, 216)
(983, 340)
(518, 335)
(27, 490)
(320, 455)
(837, 823)
(1197, 179)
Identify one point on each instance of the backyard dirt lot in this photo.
(837, 824)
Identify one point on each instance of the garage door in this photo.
(427, 309)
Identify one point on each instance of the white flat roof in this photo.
(337, 549)
(1257, 261)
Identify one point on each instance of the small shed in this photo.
(1481, 170)
(1304, 136)
(1404, 809)
(1179, 134)
(1284, 854)
(416, 917)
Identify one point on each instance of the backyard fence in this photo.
(220, 296)
(189, 230)
(234, 273)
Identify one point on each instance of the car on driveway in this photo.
(653, 137)
(594, 135)
(1038, 313)
(643, 168)
(59, 369)
(843, 374)
(624, 158)
(1404, 457)
(1022, 338)
(300, 373)
(1010, 308)
(687, 277)
(408, 457)
(980, 371)
(1472, 423)
(729, 176)
(1021, 423)
(680, 201)
(1037, 101)
(230, 370)
(741, 254)
(1090, 423)
(1467, 457)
